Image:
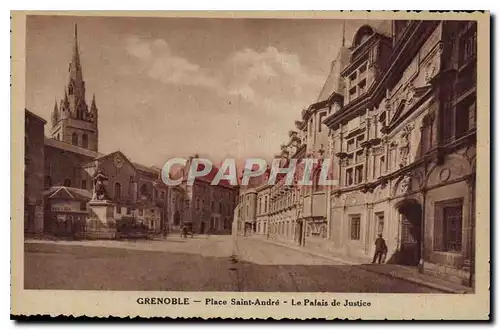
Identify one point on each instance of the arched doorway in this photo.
(411, 227)
(177, 218)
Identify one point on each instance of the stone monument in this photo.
(101, 222)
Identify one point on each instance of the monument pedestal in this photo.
(101, 223)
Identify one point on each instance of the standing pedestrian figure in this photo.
(380, 249)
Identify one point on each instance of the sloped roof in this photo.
(71, 148)
(97, 155)
(68, 193)
(147, 169)
(334, 82)
(211, 175)
(384, 29)
(35, 116)
(183, 173)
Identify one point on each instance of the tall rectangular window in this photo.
(84, 184)
(465, 117)
(348, 178)
(351, 145)
(380, 223)
(448, 221)
(359, 174)
(362, 86)
(468, 48)
(452, 228)
(355, 227)
(320, 121)
(382, 165)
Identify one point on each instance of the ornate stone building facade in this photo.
(400, 128)
(414, 130)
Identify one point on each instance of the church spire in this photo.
(55, 114)
(65, 100)
(93, 110)
(75, 68)
(93, 105)
(343, 34)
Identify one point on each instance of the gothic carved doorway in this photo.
(411, 225)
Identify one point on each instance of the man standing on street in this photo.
(380, 249)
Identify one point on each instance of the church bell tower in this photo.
(72, 120)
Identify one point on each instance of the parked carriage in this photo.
(187, 230)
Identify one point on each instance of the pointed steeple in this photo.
(75, 59)
(93, 106)
(343, 34)
(65, 100)
(76, 84)
(55, 114)
(93, 110)
(73, 105)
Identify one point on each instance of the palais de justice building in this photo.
(397, 115)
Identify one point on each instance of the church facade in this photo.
(69, 160)
(60, 171)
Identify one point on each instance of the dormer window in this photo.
(322, 116)
(352, 91)
(364, 38)
(362, 68)
(363, 34)
(362, 86)
(353, 76)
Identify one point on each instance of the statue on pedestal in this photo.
(99, 192)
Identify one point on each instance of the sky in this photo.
(175, 87)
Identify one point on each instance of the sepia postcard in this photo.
(254, 165)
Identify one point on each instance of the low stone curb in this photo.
(444, 289)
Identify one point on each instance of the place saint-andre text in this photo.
(302, 302)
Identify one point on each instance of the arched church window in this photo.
(74, 139)
(144, 190)
(70, 89)
(118, 190)
(48, 181)
(67, 182)
(85, 141)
